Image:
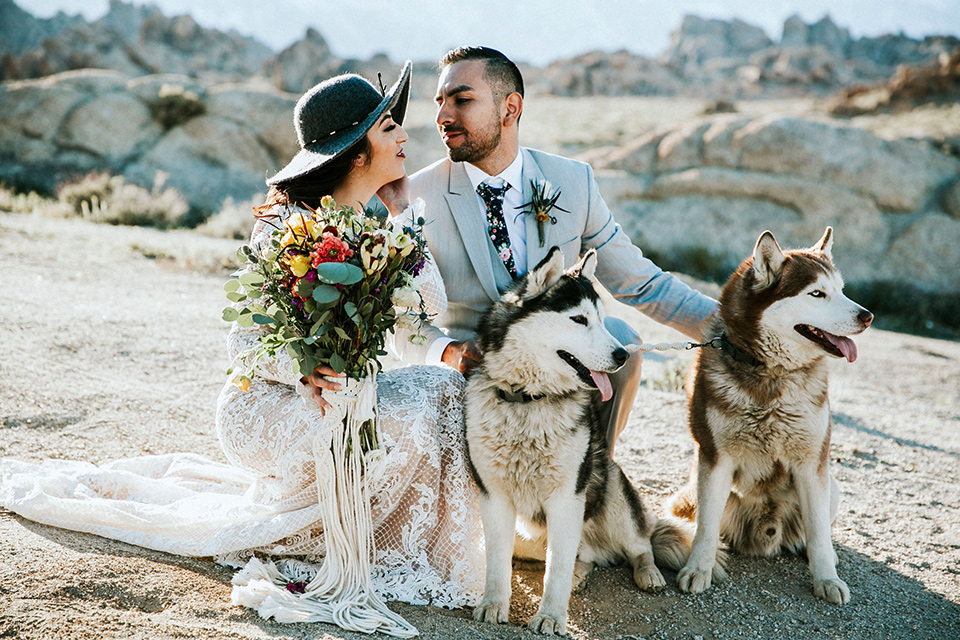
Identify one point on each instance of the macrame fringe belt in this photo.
(342, 591)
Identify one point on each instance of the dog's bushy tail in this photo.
(672, 539)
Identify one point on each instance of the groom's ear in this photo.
(511, 108)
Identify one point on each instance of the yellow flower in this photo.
(327, 202)
(302, 226)
(299, 265)
(241, 382)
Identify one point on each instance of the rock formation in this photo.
(212, 141)
(709, 187)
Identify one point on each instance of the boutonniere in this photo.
(542, 201)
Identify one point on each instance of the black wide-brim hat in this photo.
(334, 115)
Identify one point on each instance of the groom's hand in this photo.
(462, 356)
(395, 195)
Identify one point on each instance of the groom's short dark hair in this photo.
(502, 74)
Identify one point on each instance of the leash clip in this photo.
(716, 343)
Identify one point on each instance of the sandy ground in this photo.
(111, 345)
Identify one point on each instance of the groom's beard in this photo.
(477, 145)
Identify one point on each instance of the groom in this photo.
(484, 183)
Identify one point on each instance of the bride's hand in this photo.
(319, 383)
(395, 195)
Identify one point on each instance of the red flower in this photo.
(330, 249)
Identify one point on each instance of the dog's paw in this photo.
(496, 612)
(649, 578)
(581, 571)
(720, 566)
(548, 625)
(693, 580)
(832, 590)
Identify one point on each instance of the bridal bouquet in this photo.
(328, 287)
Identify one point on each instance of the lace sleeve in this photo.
(434, 295)
(243, 340)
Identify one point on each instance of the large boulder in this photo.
(210, 141)
(705, 189)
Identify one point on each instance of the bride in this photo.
(265, 502)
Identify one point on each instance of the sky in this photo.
(533, 31)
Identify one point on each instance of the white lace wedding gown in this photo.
(427, 536)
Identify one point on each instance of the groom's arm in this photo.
(634, 279)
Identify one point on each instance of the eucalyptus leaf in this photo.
(245, 320)
(251, 280)
(341, 333)
(337, 363)
(230, 314)
(304, 288)
(325, 294)
(259, 318)
(305, 370)
(339, 273)
(234, 296)
(351, 310)
(231, 285)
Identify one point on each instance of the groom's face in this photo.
(468, 115)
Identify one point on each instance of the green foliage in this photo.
(175, 106)
(323, 290)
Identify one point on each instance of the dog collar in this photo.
(739, 355)
(521, 397)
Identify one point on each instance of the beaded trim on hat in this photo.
(333, 132)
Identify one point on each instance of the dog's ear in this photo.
(767, 261)
(585, 267)
(544, 275)
(825, 243)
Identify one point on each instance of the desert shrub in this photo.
(104, 198)
(669, 376)
(175, 106)
(234, 220)
(31, 202)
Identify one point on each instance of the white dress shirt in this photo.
(516, 225)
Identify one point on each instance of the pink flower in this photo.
(330, 249)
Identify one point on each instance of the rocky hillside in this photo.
(135, 40)
(733, 60)
(714, 58)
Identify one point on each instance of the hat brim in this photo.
(313, 156)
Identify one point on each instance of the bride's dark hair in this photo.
(308, 189)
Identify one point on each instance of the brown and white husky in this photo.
(760, 416)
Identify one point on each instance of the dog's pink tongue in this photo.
(847, 346)
(603, 383)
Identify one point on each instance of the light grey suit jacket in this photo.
(474, 276)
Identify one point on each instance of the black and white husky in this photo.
(538, 451)
(760, 415)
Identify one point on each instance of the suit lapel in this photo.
(466, 213)
(535, 253)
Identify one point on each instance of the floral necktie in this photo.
(493, 197)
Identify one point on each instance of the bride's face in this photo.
(386, 153)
